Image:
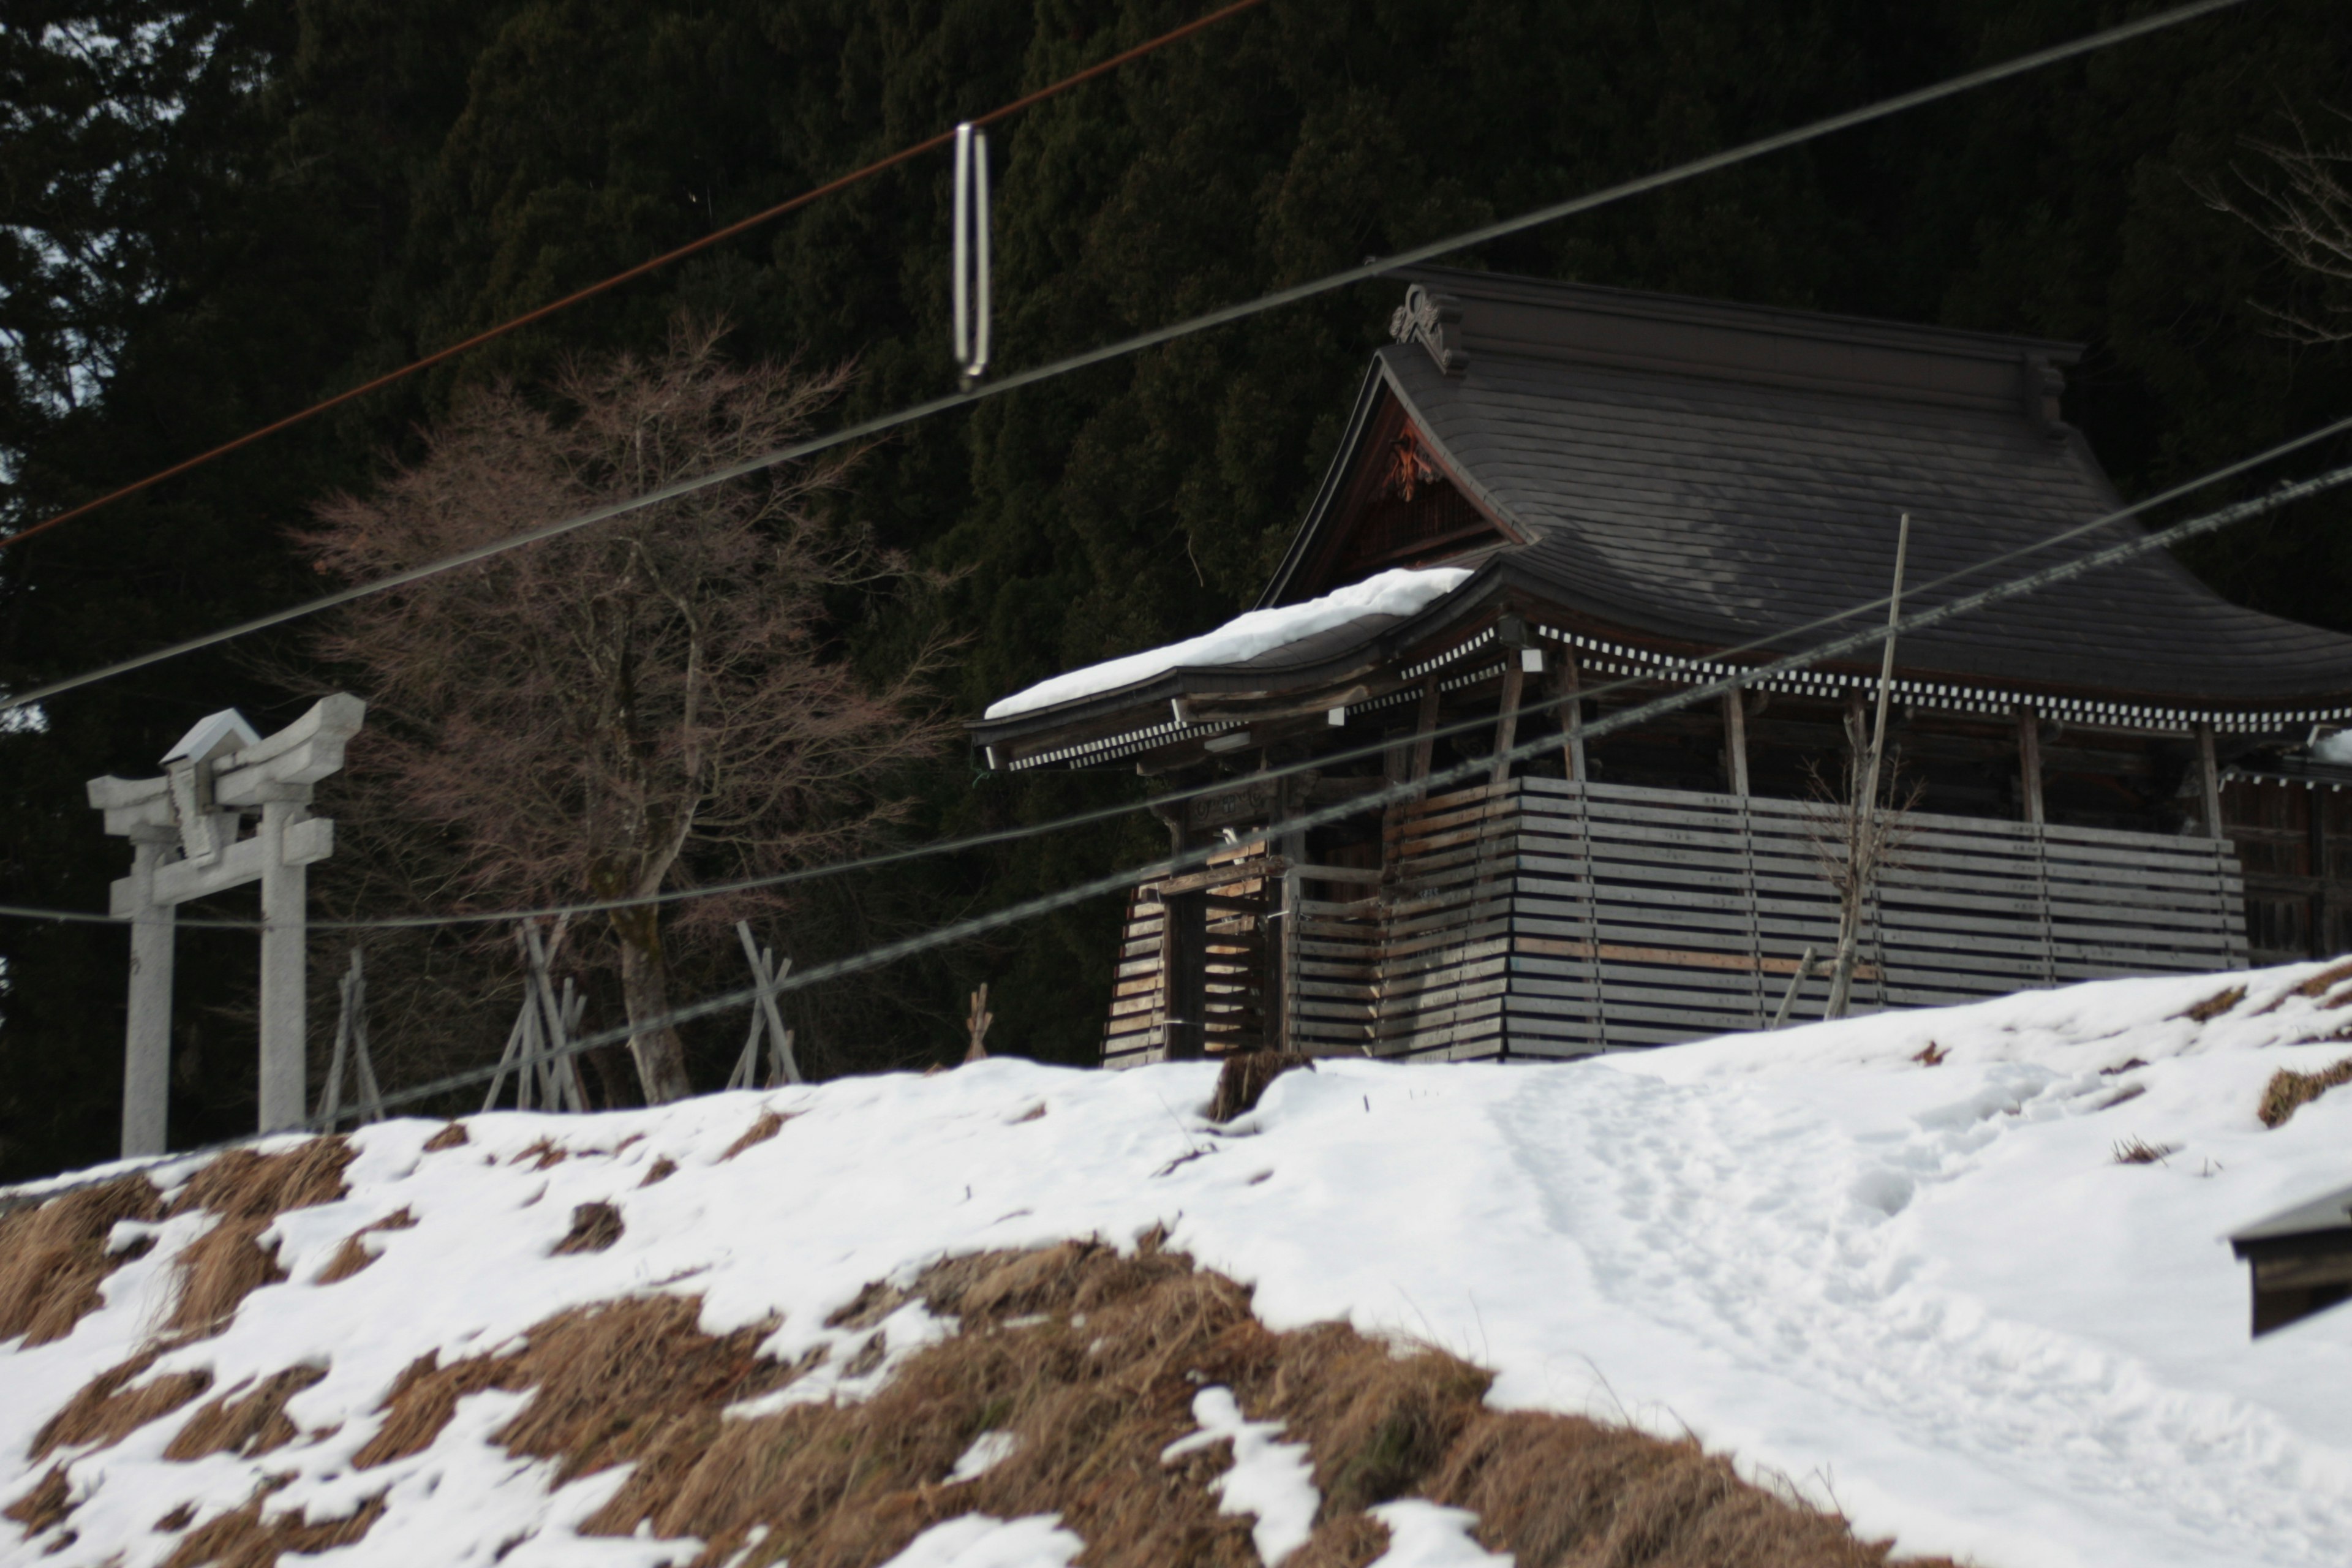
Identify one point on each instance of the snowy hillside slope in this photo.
(1913, 1283)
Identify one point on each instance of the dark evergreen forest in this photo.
(216, 211)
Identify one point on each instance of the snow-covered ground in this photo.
(1926, 1293)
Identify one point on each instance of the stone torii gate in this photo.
(187, 836)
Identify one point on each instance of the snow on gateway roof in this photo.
(1401, 591)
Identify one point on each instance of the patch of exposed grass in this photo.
(1244, 1079)
(355, 1254)
(247, 1191)
(595, 1227)
(53, 1256)
(1089, 1359)
(254, 1423)
(109, 1408)
(2140, 1151)
(768, 1125)
(2288, 1090)
(2220, 1002)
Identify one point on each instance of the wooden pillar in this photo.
(147, 1033)
(1425, 743)
(285, 889)
(1507, 720)
(1571, 717)
(2029, 761)
(1734, 740)
(1184, 960)
(2209, 787)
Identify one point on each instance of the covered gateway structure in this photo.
(1552, 491)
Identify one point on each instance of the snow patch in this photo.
(1274, 1481)
(976, 1540)
(988, 1450)
(1424, 1535)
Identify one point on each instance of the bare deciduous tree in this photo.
(596, 716)
(2299, 197)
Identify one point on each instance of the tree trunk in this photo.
(659, 1054)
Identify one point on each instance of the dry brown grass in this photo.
(2317, 985)
(47, 1504)
(2138, 1150)
(106, 1409)
(595, 1227)
(250, 1538)
(53, 1256)
(355, 1254)
(2288, 1090)
(1090, 1360)
(254, 1425)
(663, 1168)
(759, 1132)
(2220, 1002)
(1243, 1081)
(227, 1263)
(452, 1136)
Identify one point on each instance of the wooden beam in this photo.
(1734, 740)
(2028, 761)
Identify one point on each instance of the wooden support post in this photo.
(1506, 719)
(147, 1039)
(1734, 740)
(285, 934)
(1425, 741)
(1571, 717)
(2209, 789)
(1184, 962)
(2028, 761)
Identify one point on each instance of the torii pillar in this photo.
(184, 830)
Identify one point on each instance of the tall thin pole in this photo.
(1862, 845)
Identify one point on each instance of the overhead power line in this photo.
(873, 958)
(1462, 773)
(883, 424)
(715, 236)
(886, 859)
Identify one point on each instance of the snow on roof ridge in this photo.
(1401, 591)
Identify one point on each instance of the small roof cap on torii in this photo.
(205, 741)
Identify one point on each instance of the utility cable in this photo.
(883, 424)
(1099, 887)
(1462, 773)
(715, 237)
(886, 859)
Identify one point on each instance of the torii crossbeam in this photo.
(189, 838)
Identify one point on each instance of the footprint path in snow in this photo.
(1718, 1213)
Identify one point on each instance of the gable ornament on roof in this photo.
(1434, 321)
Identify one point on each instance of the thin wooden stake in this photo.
(370, 1092)
(977, 1024)
(1860, 847)
(1796, 981)
(331, 1097)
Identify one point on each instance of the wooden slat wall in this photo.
(1546, 919)
(1549, 918)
